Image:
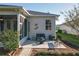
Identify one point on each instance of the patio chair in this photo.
(40, 38)
(51, 37)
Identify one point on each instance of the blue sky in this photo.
(54, 8)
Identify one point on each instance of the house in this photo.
(26, 22)
(67, 29)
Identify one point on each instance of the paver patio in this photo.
(28, 45)
(46, 44)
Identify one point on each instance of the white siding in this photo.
(41, 26)
(8, 13)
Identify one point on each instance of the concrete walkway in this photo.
(25, 52)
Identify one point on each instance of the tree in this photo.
(72, 18)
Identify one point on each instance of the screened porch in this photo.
(12, 22)
(8, 22)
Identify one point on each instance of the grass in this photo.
(70, 38)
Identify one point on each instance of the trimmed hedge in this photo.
(55, 54)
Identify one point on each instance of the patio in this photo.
(45, 44)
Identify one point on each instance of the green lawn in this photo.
(70, 38)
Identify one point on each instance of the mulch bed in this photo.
(5, 52)
(17, 52)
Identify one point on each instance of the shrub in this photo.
(63, 54)
(67, 54)
(55, 54)
(42, 54)
(70, 54)
(59, 31)
(59, 37)
(77, 54)
(9, 39)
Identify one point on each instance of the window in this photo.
(48, 24)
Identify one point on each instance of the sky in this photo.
(54, 8)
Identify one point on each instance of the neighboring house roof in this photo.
(36, 13)
(61, 24)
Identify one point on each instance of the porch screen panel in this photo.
(8, 24)
(15, 25)
(1, 25)
(7, 19)
(25, 26)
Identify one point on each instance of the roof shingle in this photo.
(40, 13)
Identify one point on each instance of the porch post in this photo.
(18, 28)
(55, 28)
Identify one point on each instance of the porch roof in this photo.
(18, 9)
